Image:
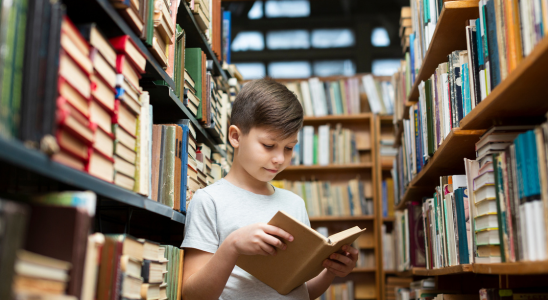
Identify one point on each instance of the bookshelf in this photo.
(366, 280)
(448, 36)
(517, 100)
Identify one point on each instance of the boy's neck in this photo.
(239, 177)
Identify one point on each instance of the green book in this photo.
(177, 72)
(337, 95)
(175, 273)
(501, 211)
(167, 185)
(150, 24)
(429, 117)
(193, 64)
(316, 148)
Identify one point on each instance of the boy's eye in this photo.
(268, 146)
(289, 148)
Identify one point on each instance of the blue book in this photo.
(460, 195)
(520, 158)
(350, 200)
(412, 55)
(479, 44)
(466, 89)
(494, 59)
(384, 200)
(532, 166)
(227, 29)
(184, 124)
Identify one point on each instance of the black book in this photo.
(475, 63)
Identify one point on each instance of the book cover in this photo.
(303, 258)
(167, 188)
(493, 49)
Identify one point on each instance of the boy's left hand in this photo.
(339, 264)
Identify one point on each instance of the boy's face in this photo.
(262, 153)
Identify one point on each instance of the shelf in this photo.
(389, 219)
(458, 269)
(333, 168)
(195, 37)
(339, 118)
(414, 193)
(522, 94)
(341, 219)
(112, 24)
(387, 118)
(364, 270)
(447, 160)
(15, 153)
(517, 268)
(450, 35)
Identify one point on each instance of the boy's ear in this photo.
(234, 134)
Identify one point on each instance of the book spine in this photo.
(494, 58)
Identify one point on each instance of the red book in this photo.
(124, 67)
(417, 256)
(125, 118)
(73, 121)
(125, 45)
(100, 165)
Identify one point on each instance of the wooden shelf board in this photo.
(339, 118)
(414, 193)
(386, 118)
(341, 218)
(518, 97)
(458, 269)
(348, 167)
(447, 160)
(364, 270)
(390, 272)
(517, 268)
(450, 35)
(389, 219)
(407, 273)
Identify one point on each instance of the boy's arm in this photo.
(205, 274)
(338, 265)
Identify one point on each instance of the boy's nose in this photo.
(278, 158)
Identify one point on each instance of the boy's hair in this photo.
(267, 103)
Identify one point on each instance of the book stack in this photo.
(324, 199)
(394, 284)
(174, 276)
(75, 132)
(235, 86)
(132, 11)
(215, 107)
(193, 184)
(153, 271)
(164, 33)
(339, 291)
(130, 63)
(328, 146)
(425, 288)
(195, 64)
(39, 274)
(388, 250)
(207, 163)
(337, 97)
(200, 10)
(405, 27)
(496, 44)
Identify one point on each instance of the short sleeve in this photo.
(305, 217)
(201, 224)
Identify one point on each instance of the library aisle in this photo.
(425, 123)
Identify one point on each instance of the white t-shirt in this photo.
(222, 208)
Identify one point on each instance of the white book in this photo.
(486, 221)
(318, 97)
(151, 122)
(540, 231)
(485, 192)
(459, 181)
(530, 230)
(372, 93)
(387, 96)
(486, 206)
(488, 237)
(422, 103)
(482, 84)
(472, 170)
(323, 145)
(308, 145)
(307, 100)
(446, 111)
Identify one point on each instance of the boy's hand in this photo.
(341, 265)
(259, 239)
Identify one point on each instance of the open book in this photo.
(301, 261)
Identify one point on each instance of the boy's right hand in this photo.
(258, 239)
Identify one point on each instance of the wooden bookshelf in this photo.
(342, 218)
(447, 160)
(518, 98)
(515, 268)
(458, 269)
(414, 193)
(448, 37)
(388, 219)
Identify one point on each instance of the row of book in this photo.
(497, 42)
(345, 96)
(325, 146)
(388, 204)
(41, 255)
(388, 249)
(322, 198)
(493, 213)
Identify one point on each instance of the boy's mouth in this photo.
(271, 170)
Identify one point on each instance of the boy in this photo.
(228, 219)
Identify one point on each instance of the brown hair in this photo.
(267, 103)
